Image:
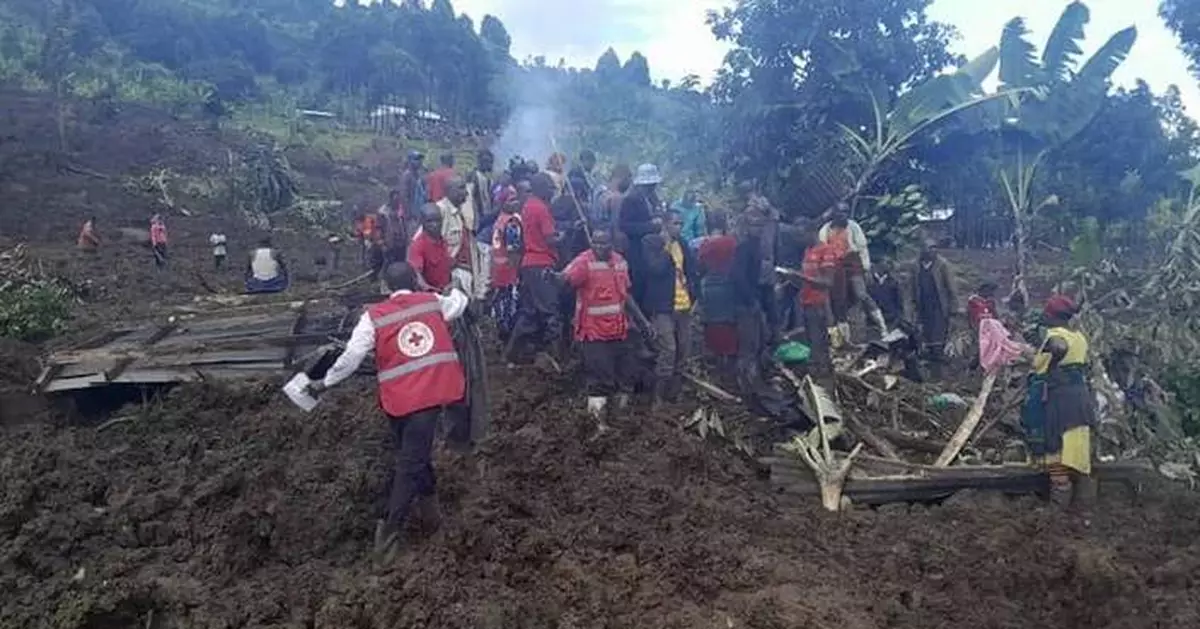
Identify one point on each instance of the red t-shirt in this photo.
(431, 259)
(436, 182)
(819, 259)
(538, 224)
(716, 254)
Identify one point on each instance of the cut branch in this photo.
(968, 424)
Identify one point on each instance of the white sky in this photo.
(673, 36)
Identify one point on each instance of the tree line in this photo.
(796, 75)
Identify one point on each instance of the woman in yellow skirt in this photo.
(1059, 410)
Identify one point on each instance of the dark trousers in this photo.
(816, 332)
(609, 367)
(412, 473)
(675, 343)
(218, 262)
(537, 323)
(750, 323)
(160, 255)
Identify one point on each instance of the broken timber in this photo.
(222, 342)
(877, 481)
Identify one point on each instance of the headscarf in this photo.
(1060, 307)
(505, 195)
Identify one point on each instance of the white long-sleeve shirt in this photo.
(362, 338)
(858, 241)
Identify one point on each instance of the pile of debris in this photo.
(878, 437)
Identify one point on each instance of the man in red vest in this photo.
(419, 374)
(601, 278)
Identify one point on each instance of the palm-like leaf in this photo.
(1018, 62)
(1095, 74)
(930, 100)
(1058, 59)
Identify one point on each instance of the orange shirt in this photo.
(819, 260)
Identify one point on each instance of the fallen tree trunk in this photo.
(910, 442)
(968, 424)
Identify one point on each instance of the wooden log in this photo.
(877, 491)
(910, 442)
(968, 424)
(864, 433)
(712, 389)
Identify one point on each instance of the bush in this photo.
(33, 311)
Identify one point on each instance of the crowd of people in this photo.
(572, 266)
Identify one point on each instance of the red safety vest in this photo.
(415, 359)
(600, 306)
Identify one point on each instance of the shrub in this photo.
(33, 311)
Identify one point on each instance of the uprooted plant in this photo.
(262, 182)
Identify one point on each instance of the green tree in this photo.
(1183, 17)
(636, 70)
(782, 88)
(1056, 102)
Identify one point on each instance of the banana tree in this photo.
(1050, 101)
(915, 111)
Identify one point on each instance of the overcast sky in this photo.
(673, 36)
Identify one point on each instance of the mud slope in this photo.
(221, 508)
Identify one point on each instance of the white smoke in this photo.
(534, 118)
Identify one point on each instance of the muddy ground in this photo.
(223, 507)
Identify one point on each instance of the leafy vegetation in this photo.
(33, 307)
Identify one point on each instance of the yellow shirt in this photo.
(1077, 349)
(683, 301)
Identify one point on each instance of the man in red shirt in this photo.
(820, 266)
(601, 278)
(537, 316)
(438, 180)
(428, 255)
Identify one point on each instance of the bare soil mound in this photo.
(224, 508)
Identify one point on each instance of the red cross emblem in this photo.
(415, 339)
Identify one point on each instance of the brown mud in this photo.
(223, 507)
(215, 507)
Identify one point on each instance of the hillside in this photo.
(221, 506)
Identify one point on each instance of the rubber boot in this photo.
(387, 543)
(880, 322)
(621, 401)
(380, 530)
(844, 331)
(597, 407)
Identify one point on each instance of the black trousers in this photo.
(816, 332)
(538, 323)
(412, 472)
(609, 367)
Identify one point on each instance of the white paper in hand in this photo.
(297, 391)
